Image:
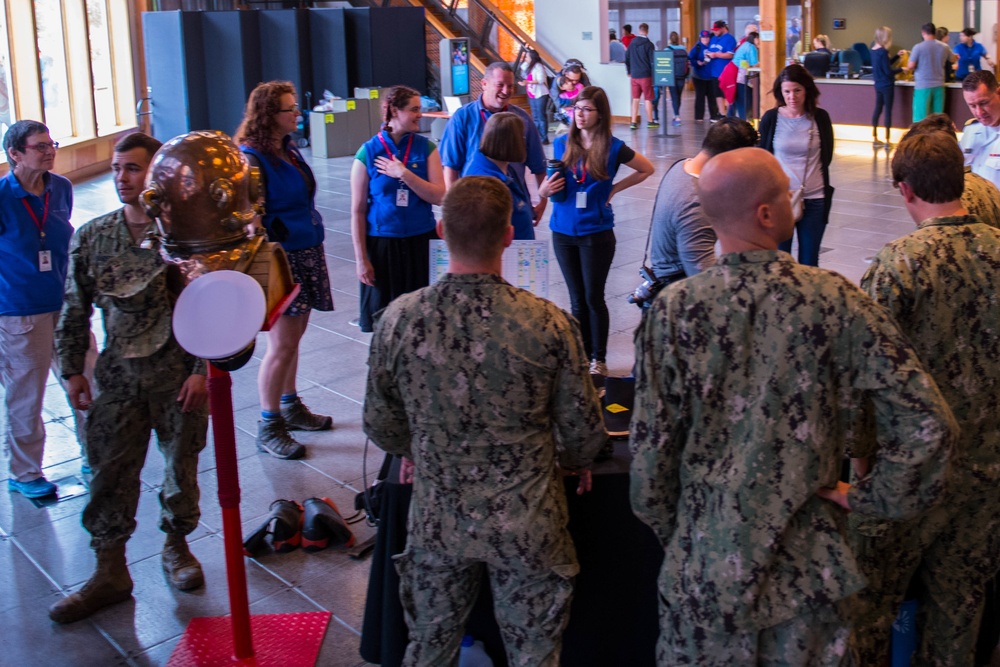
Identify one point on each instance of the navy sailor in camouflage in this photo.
(144, 382)
(941, 283)
(748, 379)
(486, 387)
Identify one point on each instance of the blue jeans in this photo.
(810, 230)
(675, 97)
(739, 106)
(538, 107)
(585, 262)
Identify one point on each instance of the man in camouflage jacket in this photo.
(941, 285)
(747, 381)
(144, 381)
(486, 388)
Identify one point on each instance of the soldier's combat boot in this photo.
(298, 417)
(181, 567)
(110, 584)
(273, 438)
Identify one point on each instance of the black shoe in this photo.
(273, 438)
(324, 526)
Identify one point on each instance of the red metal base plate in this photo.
(290, 640)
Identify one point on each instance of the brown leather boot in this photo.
(181, 567)
(110, 584)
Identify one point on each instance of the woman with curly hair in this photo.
(291, 219)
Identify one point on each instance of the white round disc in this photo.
(218, 314)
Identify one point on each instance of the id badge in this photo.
(402, 197)
(581, 200)
(44, 260)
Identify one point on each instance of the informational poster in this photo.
(663, 68)
(525, 265)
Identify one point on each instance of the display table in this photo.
(614, 617)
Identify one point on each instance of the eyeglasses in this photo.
(295, 108)
(44, 147)
(584, 109)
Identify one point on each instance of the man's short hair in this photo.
(138, 140)
(503, 138)
(475, 216)
(928, 29)
(969, 32)
(627, 27)
(643, 27)
(931, 163)
(936, 122)
(728, 135)
(17, 136)
(972, 81)
(497, 65)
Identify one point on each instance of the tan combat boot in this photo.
(181, 567)
(110, 584)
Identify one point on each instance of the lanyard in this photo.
(406, 156)
(45, 213)
(583, 168)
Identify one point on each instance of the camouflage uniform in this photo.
(747, 378)
(981, 198)
(138, 377)
(941, 285)
(486, 387)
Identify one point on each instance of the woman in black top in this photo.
(885, 81)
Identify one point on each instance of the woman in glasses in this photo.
(35, 232)
(395, 179)
(501, 145)
(582, 224)
(272, 115)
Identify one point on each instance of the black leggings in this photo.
(585, 262)
(883, 96)
(704, 92)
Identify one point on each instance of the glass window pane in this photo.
(100, 64)
(7, 115)
(52, 60)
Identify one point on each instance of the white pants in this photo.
(26, 355)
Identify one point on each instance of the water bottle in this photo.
(556, 167)
(473, 654)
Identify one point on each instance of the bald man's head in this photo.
(744, 195)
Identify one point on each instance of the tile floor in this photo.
(44, 551)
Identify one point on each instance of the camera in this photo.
(643, 295)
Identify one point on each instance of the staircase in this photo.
(484, 23)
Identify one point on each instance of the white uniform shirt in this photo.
(981, 146)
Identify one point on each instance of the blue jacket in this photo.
(522, 217)
(700, 71)
(882, 70)
(290, 217)
(384, 218)
(24, 288)
(598, 215)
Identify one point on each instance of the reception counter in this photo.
(852, 101)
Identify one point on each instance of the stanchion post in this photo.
(220, 397)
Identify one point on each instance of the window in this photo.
(67, 63)
(662, 18)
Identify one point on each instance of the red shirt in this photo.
(627, 39)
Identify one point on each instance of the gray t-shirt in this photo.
(681, 239)
(796, 145)
(930, 57)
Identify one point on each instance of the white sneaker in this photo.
(598, 368)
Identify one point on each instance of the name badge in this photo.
(402, 197)
(44, 260)
(581, 200)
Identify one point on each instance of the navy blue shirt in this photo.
(598, 215)
(384, 217)
(290, 217)
(24, 288)
(700, 71)
(882, 70)
(522, 217)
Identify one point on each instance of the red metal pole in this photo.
(220, 398)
